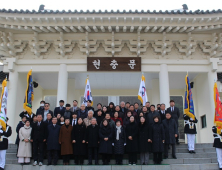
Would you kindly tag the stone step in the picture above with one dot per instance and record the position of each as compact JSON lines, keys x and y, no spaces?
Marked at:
{"x":178,"y":150}
{"x":206,"y":166}
{"x":183,"y":145}
{"x":179,"y":155}
{"x":125,"y":161}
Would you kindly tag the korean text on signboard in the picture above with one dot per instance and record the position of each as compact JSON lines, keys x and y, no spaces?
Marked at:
{"x":113,"y":64}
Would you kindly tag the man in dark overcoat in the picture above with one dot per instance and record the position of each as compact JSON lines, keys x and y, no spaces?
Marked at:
{"x":175,"y":113}
{"x":92,"y":139}
{"x":171,"y":132}
{"x":53,"y":145}
{"x":38,"y":136}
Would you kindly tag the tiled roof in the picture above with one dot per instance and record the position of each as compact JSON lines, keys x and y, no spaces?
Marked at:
{"x":111,"y":12}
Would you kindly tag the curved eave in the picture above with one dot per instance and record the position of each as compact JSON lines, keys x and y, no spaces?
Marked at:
{"x":111,"y":12}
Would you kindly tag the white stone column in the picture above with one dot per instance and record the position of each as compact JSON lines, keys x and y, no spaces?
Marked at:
{"x":62,"y":84}
{"x":12,"y":102}
{"x":114,"y":99}
{"x":164,"y":85}
{"x":155,"y":92}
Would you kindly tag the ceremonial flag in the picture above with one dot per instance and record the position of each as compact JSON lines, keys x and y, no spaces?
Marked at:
{"x":188,"y":104}
{"x":87,"y":94}
{"x":142,"y":96}
{"x":29,"y":95}
{"x":3,"y":105}
{"x":218,"y":109}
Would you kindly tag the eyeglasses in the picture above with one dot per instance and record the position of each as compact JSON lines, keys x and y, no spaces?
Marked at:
{"x":46,"y":106}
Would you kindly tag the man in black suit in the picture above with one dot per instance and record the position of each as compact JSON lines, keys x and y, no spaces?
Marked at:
{"x":148,"y":106}
{"x":38,"y":136}
{"x":99,"y":107}
{"x":75,"y":107}
{"x":152,"y":113}
{"x":122,"y":108}
{"x":40,"y":110}
{"x":162,"y":112}
{"x":136,"y":107}
{"x":73,"y":121}
{"x":158,"y":107}
{"x":175,"y":113}
{"x":60,"y":109}
{"x":89,"y":105}
{"x":48,"y":121}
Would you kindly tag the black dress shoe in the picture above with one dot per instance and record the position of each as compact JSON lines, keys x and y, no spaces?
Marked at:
{"x":49,"y":164}
{"x":143,"y":163}
{"x":174,"y":157}
{"x":90,"y":163}
{"x":193,"y":152}
{"x":190,"y":151}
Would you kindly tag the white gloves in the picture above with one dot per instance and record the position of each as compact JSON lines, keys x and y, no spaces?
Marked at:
{"x":1,"y":131}
{"x":124,"y":144}
{"x":0,"y":126}
{"x":113,"y":144}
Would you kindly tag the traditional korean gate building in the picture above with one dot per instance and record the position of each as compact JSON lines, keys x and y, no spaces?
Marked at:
{"x":56,"y":44}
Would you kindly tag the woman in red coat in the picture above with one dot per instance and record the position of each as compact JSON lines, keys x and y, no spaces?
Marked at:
{"x":116,"y":117}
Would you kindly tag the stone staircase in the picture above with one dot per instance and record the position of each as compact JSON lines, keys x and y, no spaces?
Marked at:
{"x":204,"y":159}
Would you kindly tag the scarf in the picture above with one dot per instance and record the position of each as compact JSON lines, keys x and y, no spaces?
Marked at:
{"x":118,"y":132}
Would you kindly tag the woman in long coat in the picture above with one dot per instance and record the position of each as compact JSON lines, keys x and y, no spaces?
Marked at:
{"x":132,"y":140}
{"x":19,"y":126}
{"x":157,"y":137}
{"x":144,"y":146}
{"x":78,"y":140}
{"x":119,"y":141}
{"x":106,"y":138}
{"x":66,"y":141}
{"x":25,"y":146}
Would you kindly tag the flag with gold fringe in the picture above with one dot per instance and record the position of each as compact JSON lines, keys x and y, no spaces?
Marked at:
{"x":142,"y":96}
{"x":3,"y":105}
{"x":29,"y":95}
{"x":188,"y":104}
{"x":218,"y":109}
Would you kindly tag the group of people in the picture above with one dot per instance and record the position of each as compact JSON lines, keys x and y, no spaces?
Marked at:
{"x":81,"y":132}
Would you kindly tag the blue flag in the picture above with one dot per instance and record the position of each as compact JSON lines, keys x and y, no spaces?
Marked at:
{"x":188,"y":104}
{"x":29,"y":95}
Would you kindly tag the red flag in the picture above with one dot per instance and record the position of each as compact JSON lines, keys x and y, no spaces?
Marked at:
{"x":218,"y":109}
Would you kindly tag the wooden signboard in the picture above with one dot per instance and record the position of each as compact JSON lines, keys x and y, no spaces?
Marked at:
{"x":113,"y":64}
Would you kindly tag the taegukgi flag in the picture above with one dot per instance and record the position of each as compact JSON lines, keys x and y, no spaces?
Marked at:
{"x":3,"y":105}
{"x":87,"y":94}
{"x":142,"y":95}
